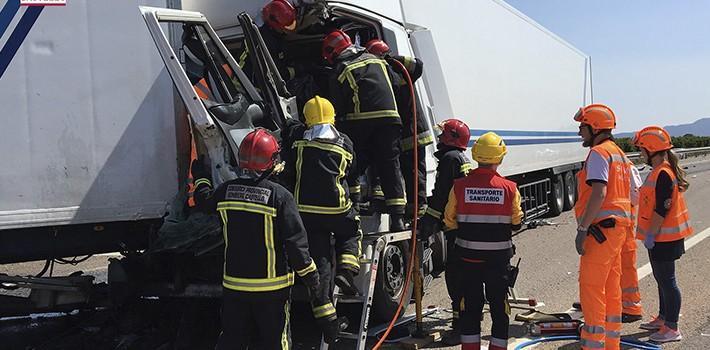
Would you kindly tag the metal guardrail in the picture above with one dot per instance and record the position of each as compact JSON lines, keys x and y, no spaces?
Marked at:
{"x":682,"y":153}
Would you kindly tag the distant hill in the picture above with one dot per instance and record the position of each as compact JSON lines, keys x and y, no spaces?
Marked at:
{"x":700,"y":127}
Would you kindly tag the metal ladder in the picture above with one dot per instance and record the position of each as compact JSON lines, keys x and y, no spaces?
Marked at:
{"x":373,"y":261}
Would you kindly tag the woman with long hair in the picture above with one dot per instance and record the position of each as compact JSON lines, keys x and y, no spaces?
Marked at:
{"x":663,"y":225}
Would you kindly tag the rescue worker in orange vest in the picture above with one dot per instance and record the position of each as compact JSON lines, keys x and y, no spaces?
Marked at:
{"x":631,"y":309}
{"x":264,"y":242}
{"x":603,"y":213}
{"x":484,"y":209}
{"x":453,"y":164}
{"x":663,"y":225}
{"x":361,"y":91}
{"x":319,"y":161}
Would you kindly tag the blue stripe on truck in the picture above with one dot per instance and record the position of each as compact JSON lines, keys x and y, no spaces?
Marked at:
{"x":525,"y":142}
{"x":479,"y":132}
{"x":18,"y":35}
{"x":7,"y":14}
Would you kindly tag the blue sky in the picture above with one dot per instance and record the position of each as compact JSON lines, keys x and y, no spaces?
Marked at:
{"x":650,"y":59}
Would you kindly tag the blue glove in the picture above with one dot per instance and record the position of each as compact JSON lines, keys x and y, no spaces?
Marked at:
{"x":649,"y":242}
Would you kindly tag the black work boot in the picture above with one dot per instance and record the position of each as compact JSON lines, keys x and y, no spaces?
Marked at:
{"x":344,"y":280}
{"x":452,"y":337}
{"x":396,"y":222}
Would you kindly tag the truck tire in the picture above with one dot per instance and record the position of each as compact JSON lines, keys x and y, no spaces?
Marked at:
{"x":391,"y":275}
{"x":570,"y":190}
{"x":556,"y":200}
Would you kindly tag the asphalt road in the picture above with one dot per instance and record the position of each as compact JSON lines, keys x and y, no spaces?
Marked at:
{"x":549,"y":274}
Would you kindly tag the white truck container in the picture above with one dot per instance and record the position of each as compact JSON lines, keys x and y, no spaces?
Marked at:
{"x":90,"y":129}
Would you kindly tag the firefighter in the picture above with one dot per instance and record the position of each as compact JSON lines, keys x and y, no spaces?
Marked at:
{"x":264,"y":239}
{"x":453,"y":164}
{"x":367,"y":111}
{"x":663,"y":225}
{"x":484,"y":208}
{"x":405,"y":101}
{"x":603,"y":213}
{"x":321,"y":158}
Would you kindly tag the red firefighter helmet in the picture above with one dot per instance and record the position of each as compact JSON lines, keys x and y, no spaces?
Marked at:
{"x":454,"y":133}
{"x":377,"y":47}
{"x":258,"y":150}
{"x":334,"y":44}
{"x":279,"y":15}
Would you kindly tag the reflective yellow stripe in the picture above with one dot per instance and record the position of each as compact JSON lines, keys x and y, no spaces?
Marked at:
{"x":299,"y":164}
{"x":341,"y":191}
{"x":223,"y":215}
{"x":269,"y":244}
{"x":245,"y":206}
{"x":326,"y":147}
{"x":396,"y":201}
{"x":356,"y":91}
{"x":243,"y":57}
{"x":385,"y":113}
{"x":423,"y":139}
{"x":258,"y":284}
{"x":360,"y":64}
{"x":465,"y":168}
{"x":323,"y":210}
{"x":383,"y":65}
{"x":203,"y":181}
{"x":433,"y":212}
{"x":354,"y":189}
{"x":349,"y":259}
{"x":306,"y":270}
{"x":284,"y":333}
{"x":408,"y":63}
{"x":323,"y":310}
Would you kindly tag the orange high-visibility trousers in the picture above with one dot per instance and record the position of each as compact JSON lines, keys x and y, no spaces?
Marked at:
{"x":630,"y":295}
{"x":600,"y":290}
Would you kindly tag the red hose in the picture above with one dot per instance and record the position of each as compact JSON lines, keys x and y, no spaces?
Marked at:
{"x":410,"y":268}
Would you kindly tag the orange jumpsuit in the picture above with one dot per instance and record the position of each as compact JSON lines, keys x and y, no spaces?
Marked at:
{"x":600,"y":266}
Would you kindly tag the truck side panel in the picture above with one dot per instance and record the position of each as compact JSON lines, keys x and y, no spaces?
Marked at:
{"x":505,"y":72}
{"x":89,"y":130}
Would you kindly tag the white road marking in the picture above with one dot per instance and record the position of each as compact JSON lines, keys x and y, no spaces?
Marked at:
{"x":643,"y":271}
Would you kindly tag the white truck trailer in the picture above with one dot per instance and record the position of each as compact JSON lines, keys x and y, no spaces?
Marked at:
{"x":98,"y":136}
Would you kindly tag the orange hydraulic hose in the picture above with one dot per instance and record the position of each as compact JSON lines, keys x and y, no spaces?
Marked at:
{"x":410,"y":268}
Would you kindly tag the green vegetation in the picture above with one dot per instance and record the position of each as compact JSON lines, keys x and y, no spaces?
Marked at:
{"x":685,"y":141}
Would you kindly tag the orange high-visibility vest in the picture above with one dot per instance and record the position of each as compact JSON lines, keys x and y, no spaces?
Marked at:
{"x":617,"y":203}
{"x":676,"y":224}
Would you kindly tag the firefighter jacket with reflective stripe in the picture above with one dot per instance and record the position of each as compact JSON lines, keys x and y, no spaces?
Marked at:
{"x":403,"y":96}
{"x":363,"y":89}
{"x":617,"y":203}
{"x":321,"y":168}
{"x":263,"y":234}
{"x":484,"y":208}
{"x":676,"y":225}
{"x":453,"y":164}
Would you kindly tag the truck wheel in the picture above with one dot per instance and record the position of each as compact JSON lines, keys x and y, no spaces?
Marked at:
{"x":570,"y":190}
{"x":556,"y":201}
{"x":391,"y":275}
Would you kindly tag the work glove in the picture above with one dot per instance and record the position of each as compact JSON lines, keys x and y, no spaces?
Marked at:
{"x":331,"y":327}
{"x":649,"y":242}
{"x":579,"y":241}
{"x":312,"y":282}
